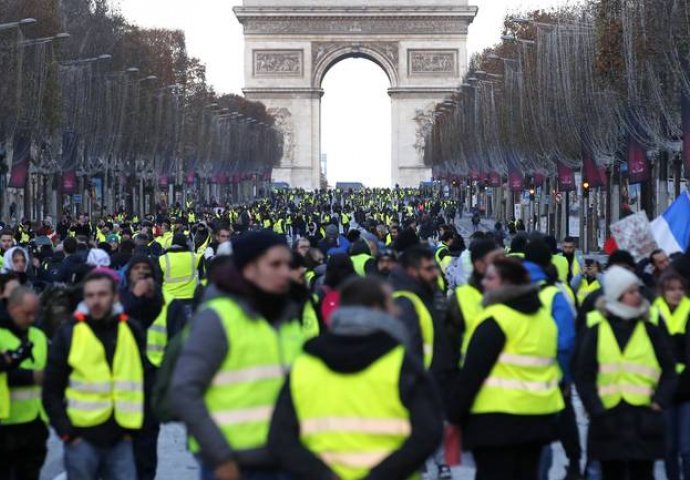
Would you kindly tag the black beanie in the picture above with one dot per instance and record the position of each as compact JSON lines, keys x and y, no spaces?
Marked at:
{"x":538,"y":252}
{"x":480,"y":248}
{"x":248,"y":247}
{"x":621,"y":257}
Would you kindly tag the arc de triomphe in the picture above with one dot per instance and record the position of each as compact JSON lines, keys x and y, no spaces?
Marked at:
{"x":291,"y":45}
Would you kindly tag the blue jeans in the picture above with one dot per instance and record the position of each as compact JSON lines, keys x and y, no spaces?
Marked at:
{"x":84,"y":461}
{"x":678,"y":441}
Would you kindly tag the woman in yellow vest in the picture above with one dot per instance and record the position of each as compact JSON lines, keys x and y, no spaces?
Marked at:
{"x":357,"y":404}
{"x":507,"y":396}
{"x":673,"y":306}
{"x":625,"y":375}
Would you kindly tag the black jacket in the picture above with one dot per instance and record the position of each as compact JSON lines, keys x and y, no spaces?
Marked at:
{"x":56,"y":379}
{"x":349,"y":355}
{"x":442,"y":366}
{"x":625,"y":432}
{"x":495,"y":429}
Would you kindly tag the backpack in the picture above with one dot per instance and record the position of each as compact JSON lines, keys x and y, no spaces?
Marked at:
{"x":329,"y":304}
{"x":161,"y":394}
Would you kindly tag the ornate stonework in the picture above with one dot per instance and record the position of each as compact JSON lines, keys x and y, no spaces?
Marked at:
{"x":285,"y":125}
{"x":345,"y":25}
{"x":424,"y":119}
{"x":389,"y":50}
{"x":433,"y":62}
{"x":278,"y":62}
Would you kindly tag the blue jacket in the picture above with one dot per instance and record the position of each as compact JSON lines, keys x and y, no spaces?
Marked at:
{"x":565,"y":322}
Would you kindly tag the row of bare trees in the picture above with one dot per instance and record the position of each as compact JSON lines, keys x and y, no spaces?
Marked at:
{"x":97,"y":112}
{"x":598,"y":90}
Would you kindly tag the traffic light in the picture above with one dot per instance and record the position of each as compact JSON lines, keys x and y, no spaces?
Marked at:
{"x":532,"y":194}
{"x":585,"y":189}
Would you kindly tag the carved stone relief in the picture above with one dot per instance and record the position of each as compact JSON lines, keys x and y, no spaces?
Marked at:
{"x":433,"y":62}
{"x":389,"y":50}
{"x":285,"y":125}
{"x":424,"y":118}
{"x":356,"y":26}
{"x":278,"y":62}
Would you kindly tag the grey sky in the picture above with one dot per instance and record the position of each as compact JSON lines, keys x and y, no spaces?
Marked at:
{"x":214,"y":35}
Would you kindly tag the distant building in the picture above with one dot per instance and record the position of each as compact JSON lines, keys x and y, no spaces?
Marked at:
{"x":324,"y":164}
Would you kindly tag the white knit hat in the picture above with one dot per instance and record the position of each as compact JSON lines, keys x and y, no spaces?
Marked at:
{"x":98,"y":258}
{"x":616,"y":281}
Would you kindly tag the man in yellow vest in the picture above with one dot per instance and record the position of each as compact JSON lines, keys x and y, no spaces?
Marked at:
{"x":230,"y":371}
{"x":23,"y":432}
{"x":465,"y":305}
{"x":180,"y":270}
{"x":360,"y":254}
{"x":93,"y":389}
{"x":570,"y":254}
{"x":357,"y":404}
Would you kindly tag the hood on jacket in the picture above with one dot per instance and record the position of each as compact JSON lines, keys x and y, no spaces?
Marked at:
{"x":8,"y":266}
{"x":360,"y":247}
{"x":361,"y":321}
{"x":536,"y":273}
{"x":523,"y":298}
{"x":133,"y":261}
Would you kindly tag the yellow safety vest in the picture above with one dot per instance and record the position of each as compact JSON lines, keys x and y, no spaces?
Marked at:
{"x":586,"y":288}
{"x":676,"y":322}
{"x":4,"y":396}
{"x":630,"y":375}
{"x":25,"y":402}
{"x":310,"y":321}
{"x":242,"y":396}
{"x":359,"y":262}
{"x":157,"y":334}
{"x":180,"y":274}
{"x":470,"y":304}
{"x":97,"y":391}
{"x":426,"y":324}
{"x":351,"y":422}
{"x":561,"y":264}
{"x":524,"y":380}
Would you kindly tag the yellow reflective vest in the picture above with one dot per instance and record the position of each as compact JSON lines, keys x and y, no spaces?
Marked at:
{"x":426,"y":324}
{"x":351,"y":422}
{"x":676,"y":321}
{"x":157,"y":334}
{"x":25,"y":402}
{"x":470,"y":305}
{"x":525,"y":378}
{"x":244,"y":391}
{"x":96,"y":390}
{"x":631,"y":375}
{"x":180,"y":274}
{"x":587,"y":287}
{"x":359,"y":262}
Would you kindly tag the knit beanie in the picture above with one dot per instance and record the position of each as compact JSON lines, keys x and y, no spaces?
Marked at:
{"x":616,"y":281}
{"x":248,"y":247}
{"x":98,"y":258}
{"x":538,"y":252}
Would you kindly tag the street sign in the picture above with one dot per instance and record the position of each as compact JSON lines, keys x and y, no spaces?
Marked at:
{"x":77,"y":198}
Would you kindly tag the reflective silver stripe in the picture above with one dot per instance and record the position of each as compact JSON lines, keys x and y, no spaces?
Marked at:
{"x":649,"y":372}
{"x":354,"y":459}
{"x":158,"y":328}
{"x":95,"y":387}
{"x":246,"y":415}
{"x":25,"y":394}
{"x":88,"y":405}
{"x":185,"y":279}
{"x":382,"y":426}
{"x":129,"y":386}
{"x":523,"y":385}
{"x":248,"y":375}
{"x":620,"y":389}
{"x":526,"y":360}
{"x":132,"y":407}
{"x":155,"y":348}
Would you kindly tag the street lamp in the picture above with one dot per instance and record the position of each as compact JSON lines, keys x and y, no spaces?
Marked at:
{"x":21,"y":23}
{"x":40,"y":41}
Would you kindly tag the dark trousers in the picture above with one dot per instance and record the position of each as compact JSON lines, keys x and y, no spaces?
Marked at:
{"x":518,"y":462}
{"x":570,"y":437}
{"x":627,"y":470}
{"x":23,"y":450}
{"x":146,"y":449}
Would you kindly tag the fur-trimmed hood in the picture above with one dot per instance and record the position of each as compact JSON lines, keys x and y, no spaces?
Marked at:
{"x":622,"y":311}
{"x":523,"y":298}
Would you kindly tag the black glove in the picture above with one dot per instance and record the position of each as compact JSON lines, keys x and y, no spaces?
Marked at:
{"x":24,"y":351}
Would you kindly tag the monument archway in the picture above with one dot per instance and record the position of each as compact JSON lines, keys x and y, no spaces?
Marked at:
{"x":291,"y":44}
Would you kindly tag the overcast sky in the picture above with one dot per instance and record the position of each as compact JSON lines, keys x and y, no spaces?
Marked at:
{"x":357,"y":144}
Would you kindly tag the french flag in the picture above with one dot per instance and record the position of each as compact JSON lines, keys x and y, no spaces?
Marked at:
{"x":672,"y":229}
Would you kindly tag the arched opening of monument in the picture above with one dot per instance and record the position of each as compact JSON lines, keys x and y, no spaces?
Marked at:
{"x":356,"y":124}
